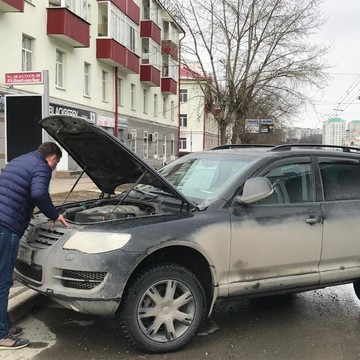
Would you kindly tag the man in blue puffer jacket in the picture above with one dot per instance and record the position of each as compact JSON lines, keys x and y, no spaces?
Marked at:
{"x":24,"y":184}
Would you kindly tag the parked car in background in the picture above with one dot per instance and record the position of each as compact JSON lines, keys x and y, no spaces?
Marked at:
{"x":232,"y":221}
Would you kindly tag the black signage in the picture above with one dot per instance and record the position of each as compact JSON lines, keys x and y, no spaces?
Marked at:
{"x":55,"y":109}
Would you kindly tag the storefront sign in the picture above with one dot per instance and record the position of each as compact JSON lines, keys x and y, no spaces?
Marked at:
{"x":55,"y":109}
{"x":25,"y":77}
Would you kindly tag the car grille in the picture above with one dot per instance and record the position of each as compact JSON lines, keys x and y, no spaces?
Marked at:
{"x":33,"y":272}
{"x":85,"y":280}
{"x":44,"y":236}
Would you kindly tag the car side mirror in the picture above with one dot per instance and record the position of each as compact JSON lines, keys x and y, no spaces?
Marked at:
{"x":255,"y":189}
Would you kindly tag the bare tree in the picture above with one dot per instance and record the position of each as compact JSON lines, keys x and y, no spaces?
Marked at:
{"x":256,"y":55}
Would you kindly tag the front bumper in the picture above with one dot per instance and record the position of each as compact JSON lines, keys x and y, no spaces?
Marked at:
{"x":87,"y":283}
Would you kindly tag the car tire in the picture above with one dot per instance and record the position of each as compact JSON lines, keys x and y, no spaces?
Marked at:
{"x":357,"y":289}
{"x":163,"y":308}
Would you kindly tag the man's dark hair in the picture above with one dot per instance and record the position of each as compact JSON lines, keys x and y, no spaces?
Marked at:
{"x":48,"y":149}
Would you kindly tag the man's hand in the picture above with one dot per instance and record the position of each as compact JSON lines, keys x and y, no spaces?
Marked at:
{"x":61,"y":219}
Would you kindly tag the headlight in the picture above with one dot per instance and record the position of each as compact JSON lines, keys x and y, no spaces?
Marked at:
{"x":95,"y":243}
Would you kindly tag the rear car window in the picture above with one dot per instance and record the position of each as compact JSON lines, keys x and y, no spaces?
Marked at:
{"x":340,"y":180}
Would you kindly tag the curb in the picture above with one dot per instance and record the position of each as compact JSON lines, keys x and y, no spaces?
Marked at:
{"x":22,"y":300}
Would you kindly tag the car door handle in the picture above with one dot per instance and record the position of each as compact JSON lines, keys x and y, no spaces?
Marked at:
{"x":313,"y":220}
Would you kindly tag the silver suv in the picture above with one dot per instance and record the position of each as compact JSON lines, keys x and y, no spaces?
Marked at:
{"x":232,"y":221}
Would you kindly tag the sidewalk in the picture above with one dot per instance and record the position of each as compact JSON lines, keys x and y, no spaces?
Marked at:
{"x":21,"y":298}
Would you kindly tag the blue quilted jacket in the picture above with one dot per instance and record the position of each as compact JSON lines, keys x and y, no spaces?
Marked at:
{"x":24,"y":184}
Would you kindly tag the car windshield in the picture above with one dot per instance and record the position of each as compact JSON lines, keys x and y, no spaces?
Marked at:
{"x":202,"y":178}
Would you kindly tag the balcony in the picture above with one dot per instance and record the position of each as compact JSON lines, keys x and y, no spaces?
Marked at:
{"x":148,"y":29}
{"x":12,"y":5}
{"x":168,"y":86}
{"x":129,"y":8}
{"x":117,"y":55}
{"x":68,"y":27}
{"x":150,"y":75}
{"x":168,"y":47}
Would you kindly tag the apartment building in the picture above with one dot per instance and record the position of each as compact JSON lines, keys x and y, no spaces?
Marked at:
{"x":334,"y":132}
{"x":354,"y":127}
{"x":114,"y":62}
{"x":198,"y":127}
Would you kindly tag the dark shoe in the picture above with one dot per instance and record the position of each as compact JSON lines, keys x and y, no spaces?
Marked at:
{"x":15,"y":331}
{"x":12,"y":343}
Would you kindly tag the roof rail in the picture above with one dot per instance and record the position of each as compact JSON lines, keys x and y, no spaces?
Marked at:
{"x":285,"y":147}
{"x":235,"y":146}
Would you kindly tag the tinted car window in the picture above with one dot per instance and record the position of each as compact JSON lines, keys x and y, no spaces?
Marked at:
{"x":292,"y":184}
{"x":340,"y":181}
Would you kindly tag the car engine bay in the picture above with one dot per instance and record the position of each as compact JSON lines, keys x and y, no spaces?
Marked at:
{"x":108,"y":209}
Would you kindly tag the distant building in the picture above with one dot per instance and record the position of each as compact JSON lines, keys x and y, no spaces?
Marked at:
{"x":198,"y":127}
{"x":334,"y":132}
{"x":353,"y":141}
{"x":354,"y":127}
{"x":296,"y":133}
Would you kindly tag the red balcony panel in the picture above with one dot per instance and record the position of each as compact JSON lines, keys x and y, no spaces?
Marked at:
{"x":115,"y":54}
{"x":133,"y":11}
{"x":148,"y":29}
{"x":12,"y":5}
{"x":121,"y":4}
{"x":169,"y":86}
{"x":132,"y":62}
{"x":150,"y":75}
{"x":70,"y":28}
{"x":111,"y":52}
{"x":170,"y":48}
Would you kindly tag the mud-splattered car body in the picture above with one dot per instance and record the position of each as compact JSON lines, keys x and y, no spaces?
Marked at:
{"x":226,"y":222}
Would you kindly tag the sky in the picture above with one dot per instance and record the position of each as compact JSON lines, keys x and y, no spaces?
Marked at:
{"x":342,"y":32}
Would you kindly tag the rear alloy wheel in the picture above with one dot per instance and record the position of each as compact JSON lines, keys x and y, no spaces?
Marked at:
{"x":164,"y":308}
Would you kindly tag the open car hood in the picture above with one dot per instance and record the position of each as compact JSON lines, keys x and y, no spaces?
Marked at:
{"x":105,"y":159}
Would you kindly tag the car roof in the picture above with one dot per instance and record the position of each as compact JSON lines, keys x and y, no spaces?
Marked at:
{"x":286,"y":149}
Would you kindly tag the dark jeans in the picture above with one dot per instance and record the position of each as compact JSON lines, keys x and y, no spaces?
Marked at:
{"x":9,"y":246}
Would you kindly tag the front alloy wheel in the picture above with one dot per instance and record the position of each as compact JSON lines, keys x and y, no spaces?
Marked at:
{"x":164,"y":308}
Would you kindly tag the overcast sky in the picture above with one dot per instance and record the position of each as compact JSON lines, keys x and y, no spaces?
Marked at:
{"x":342,"y":31}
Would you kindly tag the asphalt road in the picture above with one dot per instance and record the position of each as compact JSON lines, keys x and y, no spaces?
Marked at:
{"x":322,"y":324}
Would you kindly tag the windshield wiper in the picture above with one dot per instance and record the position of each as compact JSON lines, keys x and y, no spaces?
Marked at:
{"x":154,"y":196}
{"x":162,"y":192}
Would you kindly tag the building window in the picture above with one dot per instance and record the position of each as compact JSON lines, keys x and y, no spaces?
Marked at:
{"x":86,"y":79}
{"x":183,"y":95}
{"x":133,"y":90}
{"x":79,"y":8}
{"x":155,"y":105}
{"x":164,"y":107}
{"x":131,"y":38}
{"x":104,"y":80}
{"x":156,"y":140}
{"x":182,"y":144}
{"x":172,"y":145}
{"x":146,"y":145}
{"x":183,"y":120}
{"x":132,"y":139}
{"x":27,"y":53}
{"x":145,"y":99}
{"x":59,"y":77}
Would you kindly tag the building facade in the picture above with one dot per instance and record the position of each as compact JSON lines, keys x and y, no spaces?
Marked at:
{"x":113,"y":62}
{"x":334,"y":132}
{"x":198,"y":127}
{"x":354,"y":127}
